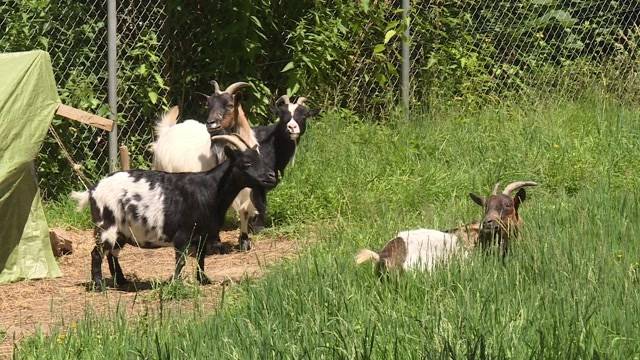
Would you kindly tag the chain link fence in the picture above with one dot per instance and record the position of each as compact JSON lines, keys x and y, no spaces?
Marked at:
{"x":488,"y":51}
{"x":75,"y":35}
{"x":345,"y":54}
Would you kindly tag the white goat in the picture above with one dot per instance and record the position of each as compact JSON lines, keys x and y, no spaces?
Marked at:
{"x":420,"y":249}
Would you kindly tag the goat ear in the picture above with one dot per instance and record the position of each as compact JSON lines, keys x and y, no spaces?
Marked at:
{"x":274,"y":109}
{"x":480,"y":200}
{"x":520,"y":197}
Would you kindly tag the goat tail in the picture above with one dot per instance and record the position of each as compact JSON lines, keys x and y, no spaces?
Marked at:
{"x":365,"y":255}
{"x":82,"y":198}
{"x":167,"y":120}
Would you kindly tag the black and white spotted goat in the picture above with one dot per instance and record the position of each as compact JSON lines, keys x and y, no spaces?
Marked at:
{"x":152,"y":209}
{"x":278,"y":144}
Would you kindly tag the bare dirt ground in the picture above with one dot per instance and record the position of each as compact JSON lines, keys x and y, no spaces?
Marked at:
{"x":45,"y":304}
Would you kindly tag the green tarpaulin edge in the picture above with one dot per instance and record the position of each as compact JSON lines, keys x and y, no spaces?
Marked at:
{"x":28,"y":101}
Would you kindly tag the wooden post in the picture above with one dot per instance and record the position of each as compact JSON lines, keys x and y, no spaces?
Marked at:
{"x":124,"y":157}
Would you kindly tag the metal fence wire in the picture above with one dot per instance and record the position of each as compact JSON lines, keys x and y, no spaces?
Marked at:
{"x":75,"y":35}
{"x":491,"y":50}
{"x":470,"y":52}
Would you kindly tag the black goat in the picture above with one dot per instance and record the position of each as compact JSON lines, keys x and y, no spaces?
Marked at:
{"x":278,"y":143}
{"x":153,"y":209}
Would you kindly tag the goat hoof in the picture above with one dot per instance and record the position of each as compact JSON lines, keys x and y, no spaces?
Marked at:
{"x":245,"y":245}
{"x":204,"y":280}
{"x":217,"y":248}
{"x":256,"y":225}
{"x":96,"y":286}
{"x":120,"y":282}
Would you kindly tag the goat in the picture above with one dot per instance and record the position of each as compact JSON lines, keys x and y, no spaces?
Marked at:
{"x":501,"y":221}
{"x":187,"y":147}
{"x":278,"y":144}
{"x":153,"y":209}
{"x":422,"y":249}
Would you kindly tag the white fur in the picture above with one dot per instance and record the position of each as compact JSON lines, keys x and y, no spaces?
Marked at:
{"x":427,"y":247}
{"x":184,"y":147}
{"x":292,"y":125}
{"x":82,"y":198}
{"x":119,"y":189}
{"x":365,"y":255}
{"x":245,"y":209}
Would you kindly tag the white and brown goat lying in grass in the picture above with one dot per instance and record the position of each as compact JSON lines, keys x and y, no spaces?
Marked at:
{"x":422,"y":249}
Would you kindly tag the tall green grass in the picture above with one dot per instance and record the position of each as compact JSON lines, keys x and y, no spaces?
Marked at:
{"x":570,"y":288}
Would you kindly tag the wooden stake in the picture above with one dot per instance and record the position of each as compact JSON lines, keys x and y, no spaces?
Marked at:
{"x":84,"y":117}
{"x":124,"y":157}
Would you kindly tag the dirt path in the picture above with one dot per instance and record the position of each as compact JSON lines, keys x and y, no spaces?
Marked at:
{"x":28,"y":305}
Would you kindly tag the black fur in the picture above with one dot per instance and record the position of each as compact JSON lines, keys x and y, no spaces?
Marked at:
{"x":277,"y":148}
{"x":194,"y":206}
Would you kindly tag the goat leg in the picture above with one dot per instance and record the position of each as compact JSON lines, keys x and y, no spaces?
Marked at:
{"x":259,"y":199}
{"x":181,"y":259}
{"x":200,"y":274}
{"x":244,"y":241}
{"x":97,"y":284}
{"x":116,"y":270}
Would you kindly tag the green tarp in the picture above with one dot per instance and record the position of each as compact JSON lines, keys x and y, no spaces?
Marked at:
{"x":28,"y":101}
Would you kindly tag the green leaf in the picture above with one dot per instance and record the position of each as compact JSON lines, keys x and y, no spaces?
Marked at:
{"x":563,"y":17}
{"x":287,"y":67}
{"x":392,"y":25}
{"x":432,"y":61}
{"x":153,"y":96}
{"x":256,"y":21}
{"x":294,"y":90}
{"x":389,"y":35}
{"x":378,"y":49}
{"x":365,"y":5}
{"x":159,"y":80}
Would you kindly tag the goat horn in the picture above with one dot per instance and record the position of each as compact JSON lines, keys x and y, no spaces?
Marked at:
{"x":241,"y":139}
{"x":517,"y":185}
{"x":301,"y":100}
{"x":284,"y":99}
{"x":235,"y":87}
{"x":216,"y":87}
{"x":495,"y":188}
{"x":233,"y":140}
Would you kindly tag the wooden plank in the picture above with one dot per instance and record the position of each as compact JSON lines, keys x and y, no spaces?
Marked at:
{"x":124,"y":157}
{"x":84,"y":117}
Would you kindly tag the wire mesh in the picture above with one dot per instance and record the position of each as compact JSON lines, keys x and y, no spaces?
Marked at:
{"x":78,"y":55}
{"x":142,"y":70}
{"x":487,"y":51}
{"x":75,"y":35}
{"x":462,"y":51}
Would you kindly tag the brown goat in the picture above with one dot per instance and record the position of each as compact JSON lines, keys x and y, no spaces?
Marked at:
{"x":501,"y":221}
{"x":226,"y":113}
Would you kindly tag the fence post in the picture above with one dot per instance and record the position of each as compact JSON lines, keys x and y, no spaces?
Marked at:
{"x":112,"y":85}
{"x":406,"y":58}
